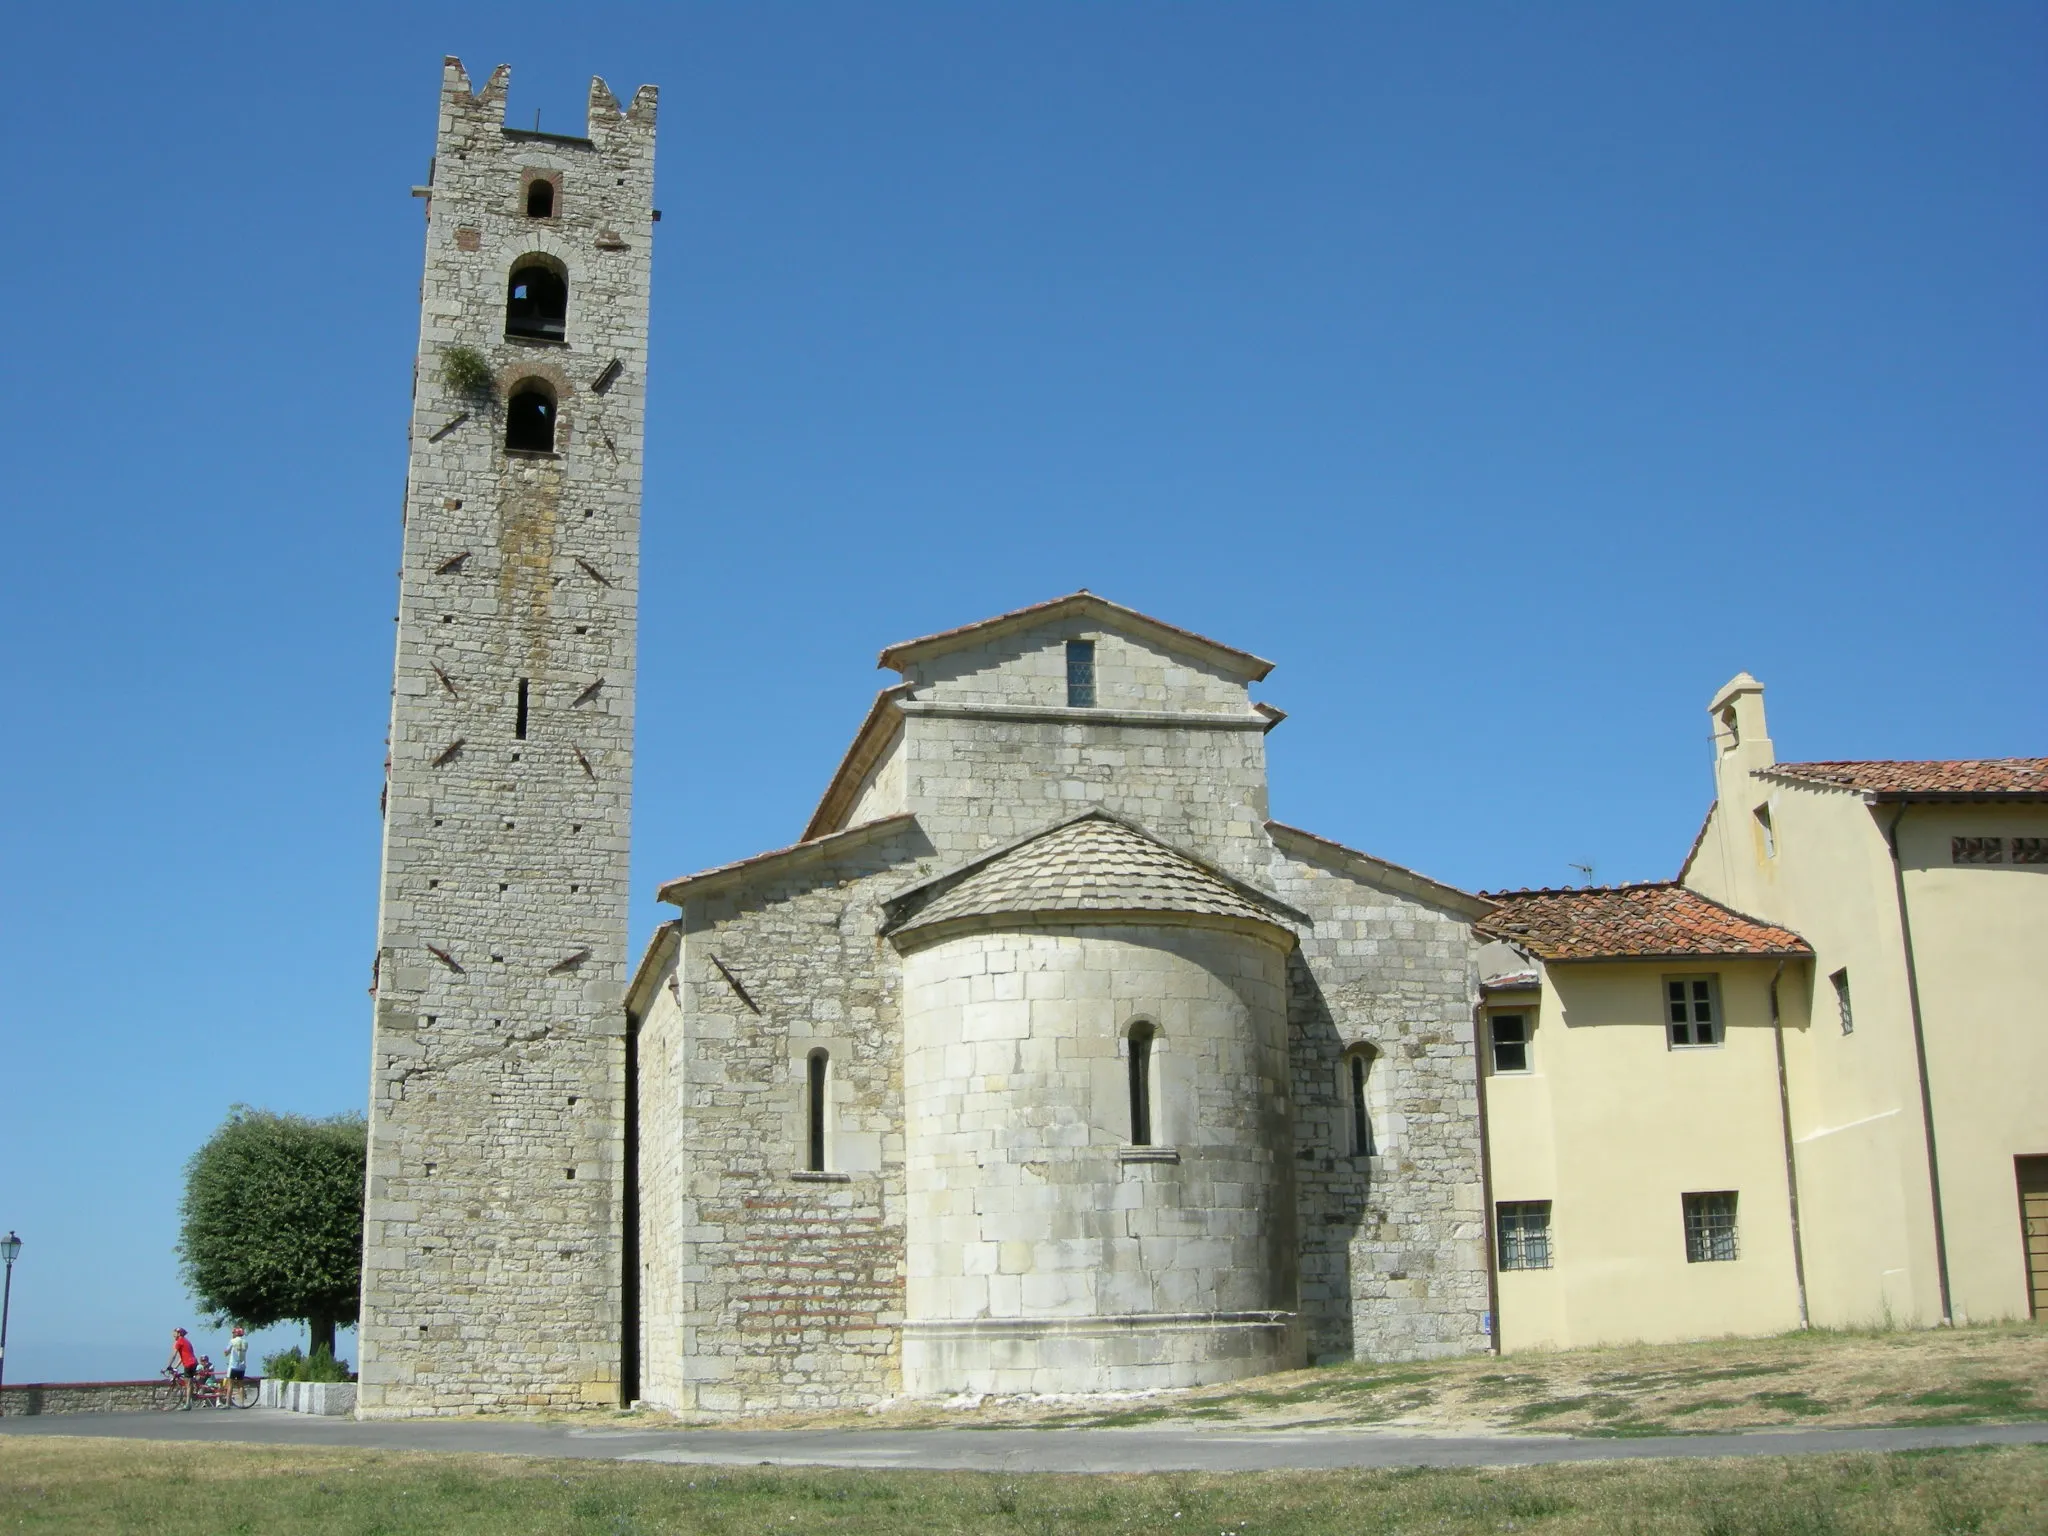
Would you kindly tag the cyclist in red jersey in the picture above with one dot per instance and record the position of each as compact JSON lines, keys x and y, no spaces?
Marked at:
{"x":184,"y":1359}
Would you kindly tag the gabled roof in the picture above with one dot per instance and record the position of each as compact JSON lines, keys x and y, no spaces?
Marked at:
{"x":1631,"y":922}
{"x":1699,"y":841}
{"x":876,"y":732}
{"x":777,"y":860}
{"x":1094,"y":863}
{"x":1376,"y":871}
{"x":1941,"y":778}
{"x":1228,"y":658}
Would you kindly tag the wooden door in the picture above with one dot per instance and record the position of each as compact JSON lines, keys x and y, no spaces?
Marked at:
{"x":2033,"y":1172}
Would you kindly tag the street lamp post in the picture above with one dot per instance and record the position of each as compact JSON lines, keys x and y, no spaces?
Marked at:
{"x":10,"y":1250}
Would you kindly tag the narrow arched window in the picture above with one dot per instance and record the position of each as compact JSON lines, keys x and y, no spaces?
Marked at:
{"x":1141,"y":1039}
{"x":540,"y":198}
{"x":537,"y":302}
{"x":1357,"y":1075}
{"x":530,"y":417}
{"x":814,"y":1105}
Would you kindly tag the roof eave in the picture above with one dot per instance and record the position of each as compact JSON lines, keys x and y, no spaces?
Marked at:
{"x":869,"y":742}
{"x":725,"y":876}
{"x":1381,"y":872}
{"x":908,"y":652}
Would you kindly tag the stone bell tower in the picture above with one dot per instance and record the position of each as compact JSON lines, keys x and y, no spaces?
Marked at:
{"x":493,"y":1241}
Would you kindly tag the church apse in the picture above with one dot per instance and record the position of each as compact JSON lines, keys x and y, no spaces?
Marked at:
{"x":1025,"y":1069}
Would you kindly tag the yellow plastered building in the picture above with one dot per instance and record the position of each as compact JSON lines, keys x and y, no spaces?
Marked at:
{"x":1805,"y":1083}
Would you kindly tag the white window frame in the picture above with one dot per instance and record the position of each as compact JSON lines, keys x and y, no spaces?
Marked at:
{"x":1525,"y":1019}
{"x":1715,"y":1021}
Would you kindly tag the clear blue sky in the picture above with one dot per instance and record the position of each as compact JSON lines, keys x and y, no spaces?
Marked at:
{"x":1512,"y":375}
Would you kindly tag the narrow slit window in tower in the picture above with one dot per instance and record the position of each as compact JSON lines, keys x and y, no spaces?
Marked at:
{"x":537,"y":303}
{"x":519,"y":720}
{"x":814,"y":1152}
{"x":1081,"y":675}
{"x":1141,"y":1084}
{"x":530,"y":418}
{"x":540,"y":198}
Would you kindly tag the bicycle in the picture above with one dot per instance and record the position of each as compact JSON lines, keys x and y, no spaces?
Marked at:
{"x":173,"y":1392}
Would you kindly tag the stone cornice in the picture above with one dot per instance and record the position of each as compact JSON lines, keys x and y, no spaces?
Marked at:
{"x":1159,"y":719}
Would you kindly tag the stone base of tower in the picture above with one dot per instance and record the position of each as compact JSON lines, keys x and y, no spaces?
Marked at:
{"x":1142,"y":1353}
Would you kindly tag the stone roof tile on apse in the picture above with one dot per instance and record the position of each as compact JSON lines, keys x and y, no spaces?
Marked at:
{"x":1093,"y":865}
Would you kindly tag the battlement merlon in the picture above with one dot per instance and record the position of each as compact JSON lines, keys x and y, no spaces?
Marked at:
{"x":466,"y":113}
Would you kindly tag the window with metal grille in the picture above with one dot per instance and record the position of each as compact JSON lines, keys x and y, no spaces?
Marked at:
{"x":1510,"y":1042}
{"x":1524,"y":1229}
{"x":1977,"y":850}
{"x":2030,"y":850}
{"x":1840,"y":981}
{"x":1080,"y":674}
{"x":1710,"y":1227}
{"x":1692,"y":1010}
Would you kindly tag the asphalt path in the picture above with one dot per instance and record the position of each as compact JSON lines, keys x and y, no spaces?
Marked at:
{"x":994,"y":1450}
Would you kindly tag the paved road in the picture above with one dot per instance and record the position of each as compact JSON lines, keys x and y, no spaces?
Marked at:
{"x":996,"y":1450}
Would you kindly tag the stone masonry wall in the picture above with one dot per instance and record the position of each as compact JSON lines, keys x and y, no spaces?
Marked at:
{"x":1394,"y":1260}
{"x":976,"y":782}
{"x":1029,"y":667}
{"x":493,"y":1209}
{"x":765,"y":1286}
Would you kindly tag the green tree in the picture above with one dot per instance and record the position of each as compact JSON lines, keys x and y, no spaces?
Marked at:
{"x":273,"y":1221}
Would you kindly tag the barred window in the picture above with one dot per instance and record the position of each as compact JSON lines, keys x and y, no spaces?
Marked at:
{"x":1524,"y":1227}
{"x":2030,"y":850}
{"x":1692,"y":1010}
{"x":1840,"y":981}
{"x":1080,"y":674}
{"x":1710,"y":1227}
{"x":1979,"y":850}
{"x":1510,"y":1042}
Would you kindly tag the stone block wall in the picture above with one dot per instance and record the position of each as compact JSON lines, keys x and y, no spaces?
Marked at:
{"x":492,"y":1233}
{"x":1028,"y":667}
{"x":766,"y":1286}
{"x":1168,"y":1264}
{"x":1394,"y":1253}
{"x":23,"y":1399}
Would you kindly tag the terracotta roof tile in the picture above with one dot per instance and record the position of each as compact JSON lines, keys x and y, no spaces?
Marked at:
{"x":1948,"y":776}
{"x":1618,"y":922}
{"x":1090,"y":865}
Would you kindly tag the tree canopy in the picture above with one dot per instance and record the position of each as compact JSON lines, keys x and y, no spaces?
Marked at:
{"x":272,"y":1221}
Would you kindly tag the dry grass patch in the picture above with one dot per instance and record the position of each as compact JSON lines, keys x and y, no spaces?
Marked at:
{"x":1812,"y":1379}
{"x":62,"y":1485}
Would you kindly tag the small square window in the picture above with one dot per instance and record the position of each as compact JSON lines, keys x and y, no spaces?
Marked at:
{"x":1524,"y":1229}
{"x":1510,"y":1038}
{"x":1710,"y":1227}
{"x":1692,"y":1010}
{"x":1080,"y":674}
{"x":1977,"y":850}
{"x":1840,"y":981}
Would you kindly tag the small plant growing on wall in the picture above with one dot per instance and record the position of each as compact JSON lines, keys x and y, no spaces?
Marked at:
{"x":466,"y":371}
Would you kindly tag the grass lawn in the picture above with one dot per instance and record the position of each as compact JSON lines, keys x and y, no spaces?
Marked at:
{"x":1813,"y":1379}
{"x":66,"y":1485}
